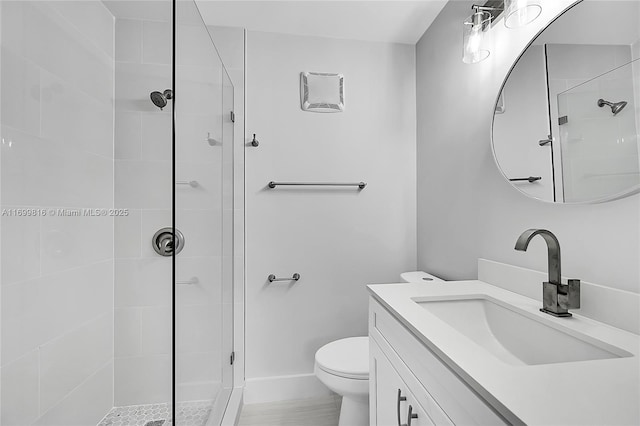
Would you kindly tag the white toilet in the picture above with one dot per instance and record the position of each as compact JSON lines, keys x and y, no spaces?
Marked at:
{"x":343,"y":367}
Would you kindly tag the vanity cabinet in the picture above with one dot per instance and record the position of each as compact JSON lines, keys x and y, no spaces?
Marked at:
{"x":394,"y":404}
{"x":405,"y":374}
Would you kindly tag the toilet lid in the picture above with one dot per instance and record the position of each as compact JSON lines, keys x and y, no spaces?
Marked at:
{"x":345,"y":357}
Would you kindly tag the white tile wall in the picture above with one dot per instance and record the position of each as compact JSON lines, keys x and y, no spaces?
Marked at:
{"x":68,"y":361}
{"x":20,"y":248}
{"x":198,"y":374}
{"x":69,"y":242}
{"x":143,"y":282}
{"x":53,"y":42}
{"x":208,"y":270}
{"x":142,"y":380}
{"x":63,"y":177}
{"x":128,"y":40}
{"x":155,"y":142}
{"x":128,"y":128}
{"x":39,"y":310}
{"x":91,"y":19}
{"x":127,"y":332}
{"x":20,"y":390}
{"x":156,"y":42}
{"x":127,"y":235}
{"x":20,"y":93}
{"x":143,"y":184}
{"x":57,"y":272}
{"x":154,"y":323}
{"x":80,"y":405}
{"x":134,"y":83}
{"x":199,"y":128}
{"x":75,"y":119}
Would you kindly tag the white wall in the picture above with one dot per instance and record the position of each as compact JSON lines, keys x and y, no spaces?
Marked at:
{"x":57,"y":271}
{"x":465,"y":208}
{"x":338,"y":239}
{"x":143,"y":186}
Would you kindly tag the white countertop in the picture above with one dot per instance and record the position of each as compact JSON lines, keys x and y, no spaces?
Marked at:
{"x":597,"y":392}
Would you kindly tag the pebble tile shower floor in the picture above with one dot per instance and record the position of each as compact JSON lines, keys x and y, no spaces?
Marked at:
{"x":192,"y":413}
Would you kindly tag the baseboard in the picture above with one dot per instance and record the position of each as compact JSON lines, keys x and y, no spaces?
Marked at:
{"x":283,"y":388}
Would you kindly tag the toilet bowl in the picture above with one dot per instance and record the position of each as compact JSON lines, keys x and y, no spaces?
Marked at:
{"x":343,"y":366}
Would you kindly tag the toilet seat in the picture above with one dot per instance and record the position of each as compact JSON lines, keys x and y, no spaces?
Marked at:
{"x":348,"y":358}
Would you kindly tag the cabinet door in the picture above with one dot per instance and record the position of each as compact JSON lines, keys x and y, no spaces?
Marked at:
{"x":388,"y":391}
{"x":390,"y":397}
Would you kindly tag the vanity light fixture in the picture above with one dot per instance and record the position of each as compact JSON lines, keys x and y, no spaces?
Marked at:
{"x":518,"y":13}
{"x":474,"y":29}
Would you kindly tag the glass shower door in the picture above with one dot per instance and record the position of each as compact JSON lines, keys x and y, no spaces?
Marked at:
{"x":599,"y":143}
{"x":203,"y":214}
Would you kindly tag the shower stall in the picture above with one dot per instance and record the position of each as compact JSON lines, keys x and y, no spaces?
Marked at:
{"x":121,"y":229}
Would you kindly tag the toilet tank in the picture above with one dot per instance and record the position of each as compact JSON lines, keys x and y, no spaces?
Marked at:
{"x":419,"y":277}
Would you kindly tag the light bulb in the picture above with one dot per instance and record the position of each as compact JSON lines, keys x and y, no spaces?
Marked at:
{"x":518,"y":13}
{"x":473,"y":37}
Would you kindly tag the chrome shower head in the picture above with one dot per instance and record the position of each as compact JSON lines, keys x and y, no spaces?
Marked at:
{"x":160,"y":99}
{"x":615,"y":107}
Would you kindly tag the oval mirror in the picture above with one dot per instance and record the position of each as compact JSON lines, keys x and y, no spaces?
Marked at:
{"x":566,"y":123}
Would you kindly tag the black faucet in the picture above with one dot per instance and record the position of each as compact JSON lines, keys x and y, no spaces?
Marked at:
{"x":557,"y":298}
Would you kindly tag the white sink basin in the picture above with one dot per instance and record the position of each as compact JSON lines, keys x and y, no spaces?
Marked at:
{"x":514,"y":335}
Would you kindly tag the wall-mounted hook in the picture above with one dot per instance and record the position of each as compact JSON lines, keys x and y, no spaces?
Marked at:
{"x":546,"y":141}
{"x":255,"y":142}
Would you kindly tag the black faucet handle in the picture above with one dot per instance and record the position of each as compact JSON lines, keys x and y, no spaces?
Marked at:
{"x":574,"y":293}
{"x":569,"y":295}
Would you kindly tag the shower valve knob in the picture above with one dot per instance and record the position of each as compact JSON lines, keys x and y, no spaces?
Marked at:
{"x":168,"y":241}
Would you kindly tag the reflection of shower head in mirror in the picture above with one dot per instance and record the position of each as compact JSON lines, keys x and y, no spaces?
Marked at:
{"x":615,"y":107}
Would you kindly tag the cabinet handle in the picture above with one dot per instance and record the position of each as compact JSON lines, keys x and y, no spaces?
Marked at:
{"x":400,"y":399}
{"x":411,"y":416}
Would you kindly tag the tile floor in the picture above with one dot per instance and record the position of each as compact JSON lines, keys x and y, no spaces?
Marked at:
{"x":303,"y":412}
{"x":192,"y":413}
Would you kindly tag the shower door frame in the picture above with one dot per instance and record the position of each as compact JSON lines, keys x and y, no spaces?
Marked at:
{"x":224,"y":408}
